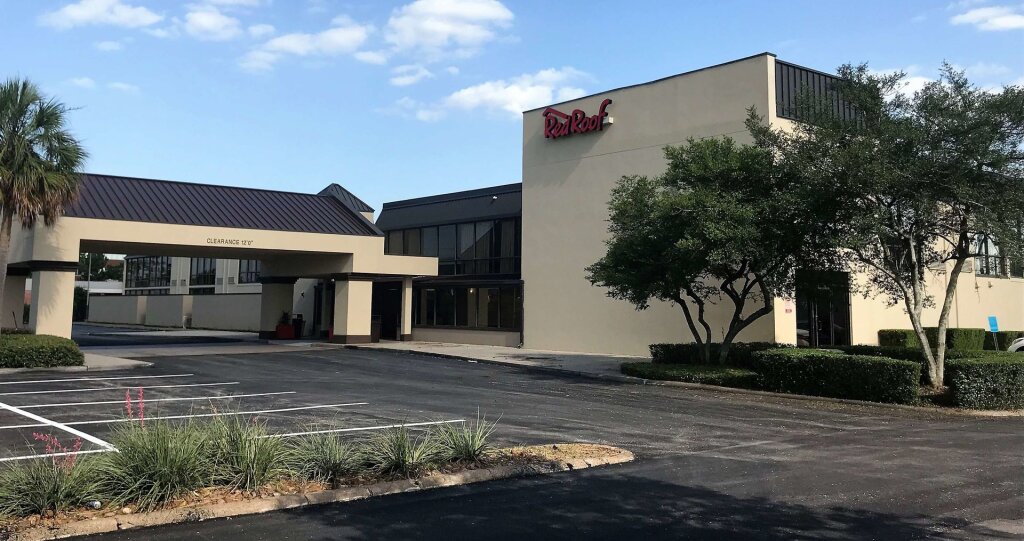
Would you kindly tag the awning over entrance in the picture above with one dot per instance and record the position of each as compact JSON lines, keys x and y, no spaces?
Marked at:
{"x":294,"y":235}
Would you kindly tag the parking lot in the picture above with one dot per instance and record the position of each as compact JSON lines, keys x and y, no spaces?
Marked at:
{"x":85,"y":409}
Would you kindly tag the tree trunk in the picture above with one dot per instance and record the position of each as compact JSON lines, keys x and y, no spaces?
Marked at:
{"x":5,"y":247}
{"x":939,"y":370}
{"x":703,"y":341}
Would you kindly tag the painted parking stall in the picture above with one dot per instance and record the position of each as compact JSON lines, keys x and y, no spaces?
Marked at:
{"x":44,"y":417}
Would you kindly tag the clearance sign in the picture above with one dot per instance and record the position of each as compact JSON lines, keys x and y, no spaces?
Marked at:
{"x":558,"y":124}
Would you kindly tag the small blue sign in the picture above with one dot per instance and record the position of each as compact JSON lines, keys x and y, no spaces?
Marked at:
{"x":993,"y":324}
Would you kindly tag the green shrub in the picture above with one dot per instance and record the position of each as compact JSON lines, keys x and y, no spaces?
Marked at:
{"x":42,"y":484}
{"x":465,"y":442}
{"x":740,"y":353}
{"x":958,"y":339}
{"x":156,"y":463}
{"x":1005,"y":339}
{"x":394,"y":451}
{"x":898,"y":338}
{"x":38,"y":351}
{"x":324,"y":458}
{"x":243,"y":456}
{"x":724,"y":376}
{"x":838,"y":375}
{"x":989,"y":382}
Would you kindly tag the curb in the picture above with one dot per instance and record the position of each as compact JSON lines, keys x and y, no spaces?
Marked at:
{"x":59,"y":369}
{"x":200,"y":513}
{"x":704,"y":387}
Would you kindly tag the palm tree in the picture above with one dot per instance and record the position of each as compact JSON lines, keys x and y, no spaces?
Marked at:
{"x":39,"y":160}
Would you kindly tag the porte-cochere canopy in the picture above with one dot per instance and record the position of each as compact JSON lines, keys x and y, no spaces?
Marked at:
{"x":327,"y":235}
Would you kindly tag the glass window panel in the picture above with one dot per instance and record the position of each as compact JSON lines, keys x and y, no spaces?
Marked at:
{"x":472,"y":311}
{"x":493,"y":308}
{"x":429,"y":241}
{"x":508,"y":308}
{"x":412,"y":242}
{"x":445,"y":306}
{"x":467,"y":238}
{"x":461,"y":305}
{"x":430,"y":307}
{"x":484,"y":238}
{"x":395,"y":245}
{"x":446,"y":242}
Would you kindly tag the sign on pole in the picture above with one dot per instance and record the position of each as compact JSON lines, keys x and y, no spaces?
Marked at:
{"x":993,"y":324}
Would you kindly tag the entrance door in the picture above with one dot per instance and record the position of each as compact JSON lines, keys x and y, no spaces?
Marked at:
{"x":822,"y":308}
{"x":387,"y":305}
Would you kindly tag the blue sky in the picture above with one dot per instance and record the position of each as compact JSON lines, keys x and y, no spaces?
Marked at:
{"x":398,"y":99}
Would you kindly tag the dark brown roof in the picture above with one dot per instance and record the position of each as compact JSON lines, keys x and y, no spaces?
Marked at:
{"x":348,"y":198}
{"x":109,"y":197}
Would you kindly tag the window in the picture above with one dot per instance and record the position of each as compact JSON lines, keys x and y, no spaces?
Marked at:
{"x":989,"y":261}
{"x":446,"y":249}
{"x":485,"y":247}
{"x":495,"y":308}
{"x":394,"y":241}
{"x":248,"y":271}
{"x":203,"y":272}
{"x":429,"y":241}
{"x":147,"y":271}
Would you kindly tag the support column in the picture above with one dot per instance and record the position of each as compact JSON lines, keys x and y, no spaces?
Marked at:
{"x":53,"y":298}
{"x":275,"y":300}
{"x":13,"y":309}
{"x":406,"y":331}
{"x":353,"y":299}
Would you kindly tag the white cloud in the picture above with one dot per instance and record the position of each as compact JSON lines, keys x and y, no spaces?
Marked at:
{"x":433,"y":29}
{"x":409,"y":74}
{"x":84,"y":82}
{"x":123,"y":87}
{"x":372,"y":57}
{"x":992,"y":18}
{"x":108,"y":45}
{"x":507,"y":97}
{"x":233,"y":3}
{"x":344,"y":38}
{"x":520,"y":93}
{"x":452,"y":70}
{"x":261,"y":30}
{"x":984,"y":70}
{"x":209,"y":24}
{"x":110,"y":12}
{"x":162,"y":32}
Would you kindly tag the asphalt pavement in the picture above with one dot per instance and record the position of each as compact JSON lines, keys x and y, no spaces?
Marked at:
{"x":710,"y":465}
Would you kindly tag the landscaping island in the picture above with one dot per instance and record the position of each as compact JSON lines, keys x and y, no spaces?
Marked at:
{"x":975,"y":377}
{"x":164,"y":473}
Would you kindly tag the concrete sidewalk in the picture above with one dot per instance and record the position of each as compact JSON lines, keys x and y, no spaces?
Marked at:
{"x":191,"y":350}
{"x":604,"y":366}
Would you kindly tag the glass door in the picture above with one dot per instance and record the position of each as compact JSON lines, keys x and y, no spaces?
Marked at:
{"x":822,"y":309}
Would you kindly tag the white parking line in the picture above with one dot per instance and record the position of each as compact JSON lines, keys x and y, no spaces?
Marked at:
{"x":363,"y":428}
{"x":227,"y":413}
{"x":21,"y":393}
{"x":55,"y":424}
{"x":48,"y":455}
{"x":148,"y":400}
{"x":92,"y":379}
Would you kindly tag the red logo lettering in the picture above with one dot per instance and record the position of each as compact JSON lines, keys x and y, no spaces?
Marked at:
{"x":558,"y":124}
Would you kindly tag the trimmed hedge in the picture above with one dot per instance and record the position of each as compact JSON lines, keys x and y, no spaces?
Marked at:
{"x":916,"y":355}
{"x":990,"y":382}
{"x":1005,"y":339}
{"x":956,"y":338}
{"x":724,"y":376}
{"x":838,"y":375}
{"x":38,"y":351}
{"x":740,"y":353}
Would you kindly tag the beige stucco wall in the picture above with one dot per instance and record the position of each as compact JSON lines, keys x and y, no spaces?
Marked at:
{"x":121,"y":309}
{"x":234,"y":312}
{"x":566,"y":186}
{"x":976,"y":298}
{"x":462,"y":336}
{"x":168,"y":310}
